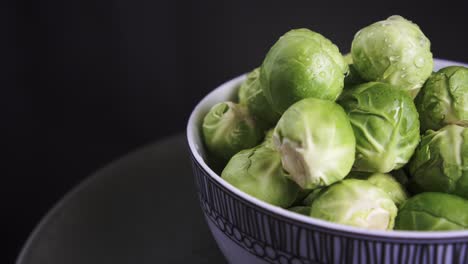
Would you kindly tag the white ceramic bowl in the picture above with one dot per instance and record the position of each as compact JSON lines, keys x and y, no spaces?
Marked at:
{"x":248,"y":230}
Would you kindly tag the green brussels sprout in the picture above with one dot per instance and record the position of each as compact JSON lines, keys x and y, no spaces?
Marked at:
{"x":386,"y":182}
{"x":443,"y":99}
{"x":303,"y":210}
{"x":433,"y":211}
{"x":385,"y":123}
{"x":251,"y":95}
{"x":316,"y":142}
{"x":356,"y":203}
{"x":302,"y":64}
{"x":440,"y":162}
{"x":258,"y":172}
{"x":393,"y":51}
{"x":228,"y":129}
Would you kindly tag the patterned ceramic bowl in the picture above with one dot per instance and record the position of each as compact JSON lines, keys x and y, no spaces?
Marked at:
{"x":248,"y":230}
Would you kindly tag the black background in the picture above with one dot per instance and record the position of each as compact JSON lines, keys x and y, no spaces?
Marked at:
{"x":84,"y":82}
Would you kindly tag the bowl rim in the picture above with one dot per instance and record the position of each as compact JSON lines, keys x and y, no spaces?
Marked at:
{"x":301,"y":219}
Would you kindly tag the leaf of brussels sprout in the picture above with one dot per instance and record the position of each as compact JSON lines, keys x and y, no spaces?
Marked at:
{"x":433,"y":212}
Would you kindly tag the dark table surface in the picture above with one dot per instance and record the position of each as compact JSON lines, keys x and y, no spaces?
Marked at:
{"x":141,"y":208}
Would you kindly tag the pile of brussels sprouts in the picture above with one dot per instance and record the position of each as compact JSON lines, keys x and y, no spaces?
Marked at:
{"x":373,"y":139}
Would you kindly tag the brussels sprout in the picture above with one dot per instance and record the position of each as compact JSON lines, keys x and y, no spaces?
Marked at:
{"x":356,"y":203}
{"x":433,"y":212}
{"x":258,"y":172}
{"x":385,"y":123}
{"x":386,"y":182}
{"x":302,"y":64}
{"x":303,"y":210}
{"x":393,"y":51}
{"x":444,"y":99}
{"x":228,"y":129}
{"x":316,"y":142}
{"x":251,"y":95}
{"x":440,"y":162}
